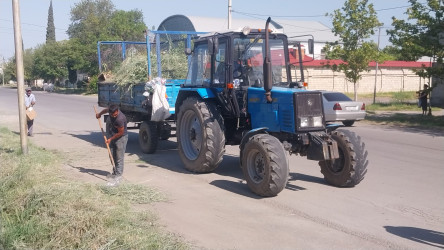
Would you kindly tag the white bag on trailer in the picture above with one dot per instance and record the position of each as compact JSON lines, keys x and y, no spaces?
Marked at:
{"x":161,"y":108}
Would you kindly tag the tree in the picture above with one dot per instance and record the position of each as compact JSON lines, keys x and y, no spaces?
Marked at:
{"x":354,"y":23}
{"x":97,"y":20}
{"x":28,"y":64}
{"x":126,"y":26}
{"x":49,"y":62}
{"x":50,"y":28}
{"x":393,"y":53}
{"x":421,"y":35}
{"x":88,"y":25}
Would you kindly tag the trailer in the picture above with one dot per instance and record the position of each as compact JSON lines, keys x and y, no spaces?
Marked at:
{"x":133,"y":100}
{"x":137,"y":108}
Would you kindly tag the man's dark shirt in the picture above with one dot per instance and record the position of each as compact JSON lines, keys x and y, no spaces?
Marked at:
{"x":119,"y":121}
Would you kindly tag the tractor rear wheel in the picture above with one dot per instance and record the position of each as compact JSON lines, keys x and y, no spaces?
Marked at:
{"x":200,"y":135}
{"x":148,"y":137}
{"x":265,"y":165}
{"x":351,"y":166}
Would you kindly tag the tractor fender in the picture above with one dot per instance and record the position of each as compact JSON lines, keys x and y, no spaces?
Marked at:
{"x":333,"y":127}
{"x":247,"y":136}
{"x":184,"y":93}
{"x":250,"y":133}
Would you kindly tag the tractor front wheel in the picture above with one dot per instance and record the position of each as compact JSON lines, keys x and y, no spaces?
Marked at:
{"x":351,"y":166}
{"x":265,"y":165}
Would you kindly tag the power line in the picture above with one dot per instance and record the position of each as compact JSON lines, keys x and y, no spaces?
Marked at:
{"x":30,"y":24}
{"x":247,"y":14}
{"x":265,"y":15}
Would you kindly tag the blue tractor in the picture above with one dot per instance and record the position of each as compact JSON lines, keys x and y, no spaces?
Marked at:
{"x":239,"y":91}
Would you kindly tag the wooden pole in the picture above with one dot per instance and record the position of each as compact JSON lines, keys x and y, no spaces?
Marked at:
{"x":20,"y":76}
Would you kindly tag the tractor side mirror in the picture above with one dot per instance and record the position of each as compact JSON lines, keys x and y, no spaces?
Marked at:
{"x":310,"y":46}
{"x":213,"y":45}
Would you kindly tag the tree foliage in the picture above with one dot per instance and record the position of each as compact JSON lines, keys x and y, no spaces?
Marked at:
{"x":10,"y":67}
{"x":97,"y":20}
{"x":420,"y":35}
{"x":88,"y":20}
{"x":50,"y":28}
{"x":126,"y":26}
{"x":49,"y":62}
{"x":91,"y":21}
{"x":354,"y":23}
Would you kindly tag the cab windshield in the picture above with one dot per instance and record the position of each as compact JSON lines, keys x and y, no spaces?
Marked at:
{"x":249,"y":54}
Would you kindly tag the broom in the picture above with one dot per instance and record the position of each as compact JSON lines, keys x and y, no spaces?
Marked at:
{"x":104,"y":137}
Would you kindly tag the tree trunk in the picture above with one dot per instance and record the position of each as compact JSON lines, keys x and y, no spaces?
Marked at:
{"x":355,"y":92}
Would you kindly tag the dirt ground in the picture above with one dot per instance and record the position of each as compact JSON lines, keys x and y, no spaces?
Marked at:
{"x":218,"y":211}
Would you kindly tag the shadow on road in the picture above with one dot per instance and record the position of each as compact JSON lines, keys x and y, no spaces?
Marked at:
{"x":424,"y":236}
{"x":167,"y":157}
{"x":237,"y":187}
{"x":94,"y":172}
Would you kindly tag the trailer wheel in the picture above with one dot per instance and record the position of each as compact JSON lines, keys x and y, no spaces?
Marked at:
{"x":148,"y":137}
{"x":200,"y":135}
{"x":351,"y":166}
{"x":265,"y":165}
{"x":164,"y":130}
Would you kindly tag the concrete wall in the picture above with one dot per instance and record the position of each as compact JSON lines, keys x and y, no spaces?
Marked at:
{"x":387,"y":80}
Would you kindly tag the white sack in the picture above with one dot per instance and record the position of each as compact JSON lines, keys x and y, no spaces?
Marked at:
{"x":161,"y":108}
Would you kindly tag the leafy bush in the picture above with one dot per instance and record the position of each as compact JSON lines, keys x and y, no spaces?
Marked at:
{"x":92,"y":85}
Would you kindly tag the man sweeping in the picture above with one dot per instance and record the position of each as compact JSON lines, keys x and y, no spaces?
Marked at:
{"x":117,"y":139}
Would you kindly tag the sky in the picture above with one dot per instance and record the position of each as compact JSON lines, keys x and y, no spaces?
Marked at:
{"x":34,"y":14}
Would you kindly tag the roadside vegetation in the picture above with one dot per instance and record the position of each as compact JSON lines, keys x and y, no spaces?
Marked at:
{"x":399,"y":108}
{"x":42,"y":209}
{"x":409,"y":120}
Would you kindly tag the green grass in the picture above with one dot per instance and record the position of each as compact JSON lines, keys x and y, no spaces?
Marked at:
{"x":412,"y":120}
{"x":400,"y":96}
{"x":394,"y":106}
{"x":42,"y":209}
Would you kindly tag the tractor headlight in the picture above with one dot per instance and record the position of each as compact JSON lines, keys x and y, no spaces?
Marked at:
{"x":312,"y":121}
{"x":304,"y":122}
{"x":317,"y":121}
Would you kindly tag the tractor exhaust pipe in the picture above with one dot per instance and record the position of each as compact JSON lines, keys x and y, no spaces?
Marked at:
{"x":268,"y":84}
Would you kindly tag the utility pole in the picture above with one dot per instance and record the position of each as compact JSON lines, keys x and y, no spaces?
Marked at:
{"x":229,"y":14}
{"x":3,"y":70}
{"x":376,"y":69}
{"x":20,"y":75}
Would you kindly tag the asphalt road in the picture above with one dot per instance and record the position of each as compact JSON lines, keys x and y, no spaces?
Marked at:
{"x":399,"y":205}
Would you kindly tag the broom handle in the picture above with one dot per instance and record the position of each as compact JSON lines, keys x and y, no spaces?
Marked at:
{"x":104,"y":137}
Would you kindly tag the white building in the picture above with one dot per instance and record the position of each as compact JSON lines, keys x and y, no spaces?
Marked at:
{"x":295,"y":30}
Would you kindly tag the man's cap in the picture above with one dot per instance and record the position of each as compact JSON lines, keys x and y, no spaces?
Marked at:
{"x":28,"y":89}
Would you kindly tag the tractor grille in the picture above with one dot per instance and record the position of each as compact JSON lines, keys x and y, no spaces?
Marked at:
{"x":308,"y":106}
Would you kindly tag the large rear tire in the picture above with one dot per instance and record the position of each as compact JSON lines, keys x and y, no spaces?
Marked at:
{"x":265,"y":165}
{"x":351,"y":166}
{"x":148,"y":137}
{"x":200,"y":135}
